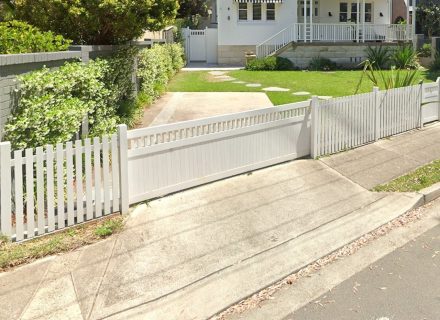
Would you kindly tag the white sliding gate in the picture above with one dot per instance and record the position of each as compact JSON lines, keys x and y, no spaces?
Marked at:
{"x":169,"y":158}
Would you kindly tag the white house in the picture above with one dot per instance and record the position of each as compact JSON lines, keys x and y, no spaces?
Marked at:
{"x":296,"y":29}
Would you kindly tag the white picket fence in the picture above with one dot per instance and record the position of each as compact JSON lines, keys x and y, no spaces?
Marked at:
{"x":344,"y":123}
{"x":50,"y":188}
{"x":53,"y":187}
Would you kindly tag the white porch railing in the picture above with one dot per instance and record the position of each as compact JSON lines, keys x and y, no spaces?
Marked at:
{"x":320,"y":32}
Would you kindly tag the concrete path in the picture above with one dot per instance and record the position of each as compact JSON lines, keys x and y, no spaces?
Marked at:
{"x":192,"y":254}
{"x":388,"y":159}
{"x":182,"y":106}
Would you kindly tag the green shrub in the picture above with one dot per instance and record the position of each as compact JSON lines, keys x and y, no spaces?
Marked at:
{"x":405,"y":57}
{"x":425,"y":50}
{"x":322,"y":64}
{"x":435,"y":66}
{"x":53,"y":103}
{"x":379,"y":56}
{"x":270,"y":64}
{"x":156,"y":67}
{"x":20,"y":37}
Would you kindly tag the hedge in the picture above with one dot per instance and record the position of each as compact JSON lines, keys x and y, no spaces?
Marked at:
{"x":53,"y":103}
{"x":20,"y":37}
{"x":270,"y":64}
{"x":156,"y":67}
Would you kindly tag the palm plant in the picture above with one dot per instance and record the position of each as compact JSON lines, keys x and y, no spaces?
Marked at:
{"x":396,"y":78}
{"x":379,"y":56}
{"x":405,"y":57}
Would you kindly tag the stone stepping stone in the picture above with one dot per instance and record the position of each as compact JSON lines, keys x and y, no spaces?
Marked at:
{"x":217,"y":73}
{"x":224,"y":78}
{"x":325,"y":97}
{"x":240,"y":82}
{"x":253,"y":85}
{"x":301,"y":93}
{"x":275,"y":89}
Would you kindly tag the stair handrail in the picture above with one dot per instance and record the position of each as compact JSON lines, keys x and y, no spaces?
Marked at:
{"x":261,"y":52}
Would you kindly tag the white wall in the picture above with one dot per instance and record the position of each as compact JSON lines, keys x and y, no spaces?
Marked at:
{"x":234,"y":32}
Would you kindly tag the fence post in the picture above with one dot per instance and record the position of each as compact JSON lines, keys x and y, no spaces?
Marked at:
{"x":5,"y":189}
{"x":376,"y":113}
{"x":123,"y":168}
{"x":314,"y":103}
{"x":421,"y":90}
{"x":438,"y":98}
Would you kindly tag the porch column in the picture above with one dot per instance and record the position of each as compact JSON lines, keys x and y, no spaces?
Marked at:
{"x":358,"y":15}
{"x":363,"y":20}
{"x":414,"y":20}
{"x":408,"y":22}
{"x":311,"y":20}
{"x":305,"y":20}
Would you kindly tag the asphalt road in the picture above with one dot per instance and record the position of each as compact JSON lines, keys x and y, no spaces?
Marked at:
{"x":404,"y":285}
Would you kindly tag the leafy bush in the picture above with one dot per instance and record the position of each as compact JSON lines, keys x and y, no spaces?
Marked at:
{"x":379,"y":56}
{"x":20,"y":37}
{"x":270,"y":64}
{"x":425,"y":50}
{"x":405,"y":57}
{"x":53,"y":103}
{"x":435,"y":66}
{"x":322,"y":64}
{"x":156,"y":67}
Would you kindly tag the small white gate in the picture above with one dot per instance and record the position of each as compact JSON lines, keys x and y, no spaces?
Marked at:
{"x":197,"y":46}
{"x":201,"y":45}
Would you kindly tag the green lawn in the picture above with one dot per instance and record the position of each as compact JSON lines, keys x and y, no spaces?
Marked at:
{"x":335,"y":84}
{"x":416,"y":180}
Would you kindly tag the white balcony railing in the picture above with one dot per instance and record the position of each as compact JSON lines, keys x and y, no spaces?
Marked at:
{"x":320,"y":32}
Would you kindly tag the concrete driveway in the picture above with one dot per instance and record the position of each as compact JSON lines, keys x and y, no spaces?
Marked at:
{"x":182,"y":106}
{"x":192,"y":254}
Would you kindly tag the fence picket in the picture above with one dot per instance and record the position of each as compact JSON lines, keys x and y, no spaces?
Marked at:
{"x":89,"y":186}
{"x":105,"y":173}
{"x":18,"y":199}
{"x":79,"y":182}
{"x":97,"y":172}
{"x":115,"y":172}
{"x":50,"y":189}
{"x":5,"y":184}
{"x":30,"y":219}
{"x":60,"y":186}
{"x":69,"y":185}
{"x":40,"y":191}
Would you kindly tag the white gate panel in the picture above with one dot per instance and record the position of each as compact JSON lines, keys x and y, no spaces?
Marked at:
{"x":170,"y":158}
{"x":431,"y":103}
{"x":198,"y":45}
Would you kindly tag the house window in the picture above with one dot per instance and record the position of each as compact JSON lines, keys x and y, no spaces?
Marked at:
{"x":256,"y":11}
{"x":368,"y":12}
{"x":343,"y":12}
{"x":354,"y":12}
{"x":315,"y":8}
{"x":270,"y":11}
{"x":242,"y":11}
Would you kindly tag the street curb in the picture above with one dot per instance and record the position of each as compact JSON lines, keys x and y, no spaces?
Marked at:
{"x":430,"y":193}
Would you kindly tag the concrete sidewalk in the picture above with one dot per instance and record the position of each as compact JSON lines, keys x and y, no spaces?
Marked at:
{"x":192,"y":254}
{"x":388,"y":159}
